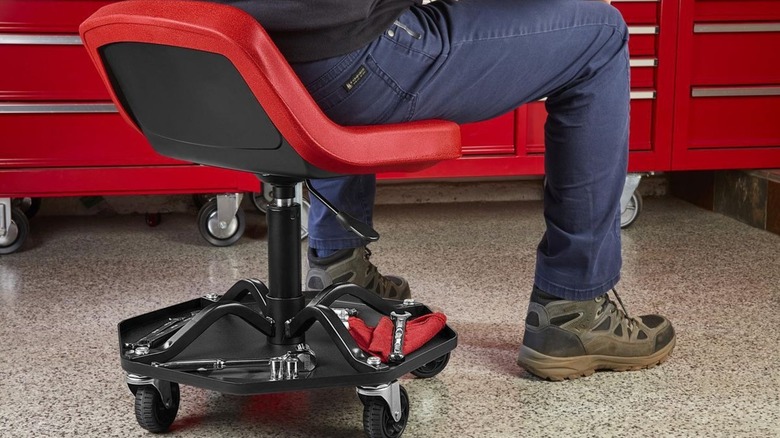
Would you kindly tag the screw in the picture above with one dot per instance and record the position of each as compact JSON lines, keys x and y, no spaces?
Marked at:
{"x":374,"y":361}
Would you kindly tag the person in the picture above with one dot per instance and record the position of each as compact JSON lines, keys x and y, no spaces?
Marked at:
{"x":391,"y":61}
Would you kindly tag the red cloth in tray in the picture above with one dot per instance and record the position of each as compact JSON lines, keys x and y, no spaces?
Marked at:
{"x":378,"y":340}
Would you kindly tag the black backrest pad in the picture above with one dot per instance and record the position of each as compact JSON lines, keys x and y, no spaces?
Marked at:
{"x":195,"y":106}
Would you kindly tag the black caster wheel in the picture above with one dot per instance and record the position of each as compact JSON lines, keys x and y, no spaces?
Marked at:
{"x":150,"y":411}
{"x":634,"y":207}
{"x":17,"y":232}
{"x":260,"y":201}
{"x":153,"y":219}
{"x":29,"y":206}
{"x":378,"y":420}
{"x":210,"y":229}
{"x":432,"y":368}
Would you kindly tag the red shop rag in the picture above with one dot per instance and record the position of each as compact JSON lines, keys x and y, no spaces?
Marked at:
{"x":378,"y":340}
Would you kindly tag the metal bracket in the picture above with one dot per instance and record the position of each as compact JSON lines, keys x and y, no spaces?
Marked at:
{"x":163,"y":387}
{"x":390,"y":392}
{"x":5,"y":216}
{"x":227,"y":206}
{"x":632,"y":182}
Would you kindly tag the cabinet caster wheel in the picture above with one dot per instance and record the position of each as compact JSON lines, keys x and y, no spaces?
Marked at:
{"x":218,"y":234}
{"x":432,"y":368}
{"x":378,"y":421}
{"x":151,"y":412}
{"x":17,"y":232}
{"x":153,"y":219}
{"x":29,"y":206}
{"x":633,"y":208}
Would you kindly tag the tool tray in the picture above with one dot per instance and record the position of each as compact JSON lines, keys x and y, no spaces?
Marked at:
{"x":230,"y":337}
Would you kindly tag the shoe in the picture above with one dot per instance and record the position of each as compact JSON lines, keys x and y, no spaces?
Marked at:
{"x":570,"y":339}
{"x":352,"y":265}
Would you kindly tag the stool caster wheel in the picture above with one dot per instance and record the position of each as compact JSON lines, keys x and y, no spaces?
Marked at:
{"x":218,"y":234}
{"x":17,"y":232}
{"x":151,"y":412}
{"x":378,"y":421}
{"x":632,"y":210}
{"x":432,"y":368}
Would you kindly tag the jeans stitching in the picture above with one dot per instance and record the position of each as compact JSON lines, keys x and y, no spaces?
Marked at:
{"x":388,"y":79}
{"x":618,"y":28}
{"x":431,"y":57}
{"x":325,"y":78}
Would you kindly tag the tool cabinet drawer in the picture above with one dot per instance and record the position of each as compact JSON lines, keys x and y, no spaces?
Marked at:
{"x":643,"y":72}
{"x":736,"y":117}
{"x":47,"y":72}
{"x":643,"y":40}
{"x":46,"y":16}
{"x":638,"y":11}
{"x":736,"y":53}
{"x":63,"y":139}
{"x":494,"y":136}
{"x":640,"y":128}
{"x":736,"y":10}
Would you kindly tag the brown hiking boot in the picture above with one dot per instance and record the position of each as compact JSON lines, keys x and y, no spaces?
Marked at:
{"x":352,"y":265}
{"x":570,"y":339}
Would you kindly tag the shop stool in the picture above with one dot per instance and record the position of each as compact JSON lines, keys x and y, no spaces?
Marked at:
{"x":204,"y":83}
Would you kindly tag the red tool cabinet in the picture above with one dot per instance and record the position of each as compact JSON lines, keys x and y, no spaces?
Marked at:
{"x":705,"y":95}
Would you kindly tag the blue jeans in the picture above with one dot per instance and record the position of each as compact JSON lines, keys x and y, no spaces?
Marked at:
{"x":472,"y":60}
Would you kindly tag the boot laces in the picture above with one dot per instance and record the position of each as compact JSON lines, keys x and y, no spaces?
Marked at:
{"x":384,"y":284}
{"x":622,"y":311}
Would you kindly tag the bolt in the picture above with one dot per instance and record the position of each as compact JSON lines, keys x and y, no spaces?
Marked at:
{"x":222,"y":225}
{"x":374,"y":361}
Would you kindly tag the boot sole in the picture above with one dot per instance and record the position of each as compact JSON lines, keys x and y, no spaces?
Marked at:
{"x":562,"y":368}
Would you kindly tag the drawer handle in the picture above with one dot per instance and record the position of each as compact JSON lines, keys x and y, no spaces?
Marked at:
{"x":643,"y":62}
{"x":734,"y":91}
{"x":643,"y":30}
{"x":56,"y":108}
{"x":736,"y":27}
{"x":635,"y":95}
{"x":51,"y":40}
{"x":643,"y":95}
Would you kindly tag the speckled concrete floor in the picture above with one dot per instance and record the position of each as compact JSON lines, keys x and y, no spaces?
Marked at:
{"x":717,"y":279}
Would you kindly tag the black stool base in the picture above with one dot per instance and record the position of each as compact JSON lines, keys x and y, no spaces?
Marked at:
{"x":231,"y":337}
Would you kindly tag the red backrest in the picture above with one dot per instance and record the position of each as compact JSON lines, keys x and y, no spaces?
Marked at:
{"x":234,"y":34}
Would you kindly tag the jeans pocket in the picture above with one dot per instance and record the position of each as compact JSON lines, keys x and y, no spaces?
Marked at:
{"x":366,"y":95}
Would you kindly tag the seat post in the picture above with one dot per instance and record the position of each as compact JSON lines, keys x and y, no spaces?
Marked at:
{"x":285,"y":298}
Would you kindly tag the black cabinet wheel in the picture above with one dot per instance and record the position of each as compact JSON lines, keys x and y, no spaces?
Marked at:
{"x":220,"y":234}
{"x":17,"y":232}
{"x":378,"y":420}
{"x":150,"y":411}
{"x":433,"y":367}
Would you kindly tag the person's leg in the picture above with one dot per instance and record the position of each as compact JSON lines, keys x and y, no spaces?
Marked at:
{"x":468,"y":61}
{"x":472,"y":60}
